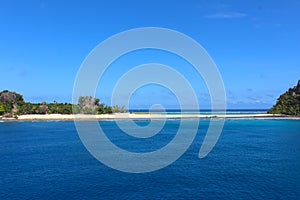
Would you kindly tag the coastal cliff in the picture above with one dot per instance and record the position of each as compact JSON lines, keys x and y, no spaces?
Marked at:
{"x":288,"y":103}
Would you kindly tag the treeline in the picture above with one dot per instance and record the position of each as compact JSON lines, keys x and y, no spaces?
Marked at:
{"x":288,"y":103}
{"x":12,"y":104}
{"x":90,"y":105}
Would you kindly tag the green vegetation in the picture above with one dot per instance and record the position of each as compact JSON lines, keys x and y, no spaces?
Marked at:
{"x":2,"y":111}
{"x":288,"y":103}
{"x":12,"y":104}
{"x":90,"y":105}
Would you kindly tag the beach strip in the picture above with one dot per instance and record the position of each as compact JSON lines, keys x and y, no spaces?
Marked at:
{"x":116,"y":116}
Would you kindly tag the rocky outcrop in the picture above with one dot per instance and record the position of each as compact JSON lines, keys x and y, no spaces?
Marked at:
{"x":10,"y":103}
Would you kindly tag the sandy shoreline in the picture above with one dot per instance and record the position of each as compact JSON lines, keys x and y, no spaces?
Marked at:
{"x":117,"y":116}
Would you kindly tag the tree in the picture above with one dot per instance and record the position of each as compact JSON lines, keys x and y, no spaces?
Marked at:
{"x":108,"y":109}
{"x":43,"y":109}
{"x":123,"y":109}
{"x":55,"y":107}
{"x":2,"y":111}
{"x":116,"y":109}
{"x":101,"y":108}
{"x":96,"y":101}
{"x":88,"y":104}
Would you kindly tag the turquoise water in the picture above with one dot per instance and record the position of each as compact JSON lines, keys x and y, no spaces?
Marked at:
{"x":204,"y":111}
{"x":253,"y":159}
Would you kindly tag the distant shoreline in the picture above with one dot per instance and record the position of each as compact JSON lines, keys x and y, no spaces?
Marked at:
{"x":120,"y":116}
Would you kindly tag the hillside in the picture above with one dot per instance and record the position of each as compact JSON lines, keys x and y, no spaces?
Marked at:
{"x":288,"y":103}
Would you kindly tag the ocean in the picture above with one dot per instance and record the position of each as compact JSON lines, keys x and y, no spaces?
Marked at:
{"x":253,"y":159}
{"x":203,"y":111}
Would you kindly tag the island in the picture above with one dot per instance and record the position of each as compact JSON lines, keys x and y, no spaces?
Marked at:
{"x":288,"y":103}
{"x":13,"y":107}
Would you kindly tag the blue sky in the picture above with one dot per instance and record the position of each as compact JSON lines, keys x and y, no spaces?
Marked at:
{"x":255,"y":45}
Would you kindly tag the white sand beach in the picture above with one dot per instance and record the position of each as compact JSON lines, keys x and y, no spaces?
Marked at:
{"x":146,"y":116}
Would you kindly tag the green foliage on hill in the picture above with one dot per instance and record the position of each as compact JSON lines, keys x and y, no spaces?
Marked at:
{"x":2,"y":111}
{"x":13,"y":104}
{"x":288,"y":103}
{"x":9,"y":103}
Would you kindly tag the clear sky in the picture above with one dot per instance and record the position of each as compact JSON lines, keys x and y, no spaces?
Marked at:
{"x":255,"y":45}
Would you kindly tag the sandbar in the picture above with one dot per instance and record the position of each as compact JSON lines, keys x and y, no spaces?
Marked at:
{"x":118,"y":116}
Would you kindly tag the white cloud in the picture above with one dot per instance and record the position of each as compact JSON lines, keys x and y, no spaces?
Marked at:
{"x":226,"y":15}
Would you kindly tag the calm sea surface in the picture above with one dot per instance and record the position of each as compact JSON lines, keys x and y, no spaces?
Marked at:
{"x":253,"y":159}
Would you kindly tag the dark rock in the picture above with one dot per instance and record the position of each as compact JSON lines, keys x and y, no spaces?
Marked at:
{"x":8,"y":115}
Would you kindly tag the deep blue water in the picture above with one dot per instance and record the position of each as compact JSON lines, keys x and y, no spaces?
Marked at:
{"x":253,"y":159}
